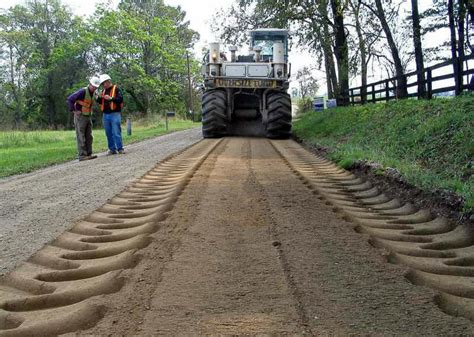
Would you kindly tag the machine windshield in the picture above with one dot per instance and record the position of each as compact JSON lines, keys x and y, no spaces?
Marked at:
{"x":267,"y":43}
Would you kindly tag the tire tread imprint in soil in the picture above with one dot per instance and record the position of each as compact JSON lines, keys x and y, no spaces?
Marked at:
{"x":56,"y":291}
{"x":439,"y":254}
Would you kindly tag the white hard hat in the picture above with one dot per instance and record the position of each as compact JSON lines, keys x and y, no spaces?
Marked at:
{"x":94,"y":81}
{"x":104,"y":77}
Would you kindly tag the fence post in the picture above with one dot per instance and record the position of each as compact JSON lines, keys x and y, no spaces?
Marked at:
{"x":363,"y":94}
{"x":373,"y":93}
{"x":458,"y":78}
{"x":429,"y":84}
{"x":387,"y":92}
{"x":129,"y":126}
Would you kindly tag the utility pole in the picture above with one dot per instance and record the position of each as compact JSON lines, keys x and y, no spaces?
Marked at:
{"x":190,"y":88}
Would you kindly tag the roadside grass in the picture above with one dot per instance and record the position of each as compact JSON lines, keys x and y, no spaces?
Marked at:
{"x":25,"y":151}
{"x":431,"y":143}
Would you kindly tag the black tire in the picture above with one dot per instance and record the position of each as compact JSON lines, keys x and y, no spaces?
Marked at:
{"x":214,"y":113}
{"x":279,"y":115}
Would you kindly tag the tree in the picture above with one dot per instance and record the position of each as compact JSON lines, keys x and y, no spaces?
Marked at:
{"x":379,"y":11}
{"x":12,"y":71}
{"x":420,"y":68}
{"x":308,"y":86}
{"x":355,"y":6}
{"x":341,"y":51}
{"x":314,"y":33}
{"x":42,"y":59}
{"x":458,"y":43}
{"x":452,"y":30}
{"x":435,"y":18}
{"x":462,"y":9}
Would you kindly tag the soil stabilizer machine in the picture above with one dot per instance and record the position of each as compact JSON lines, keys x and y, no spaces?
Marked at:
{"x":247,"y":95}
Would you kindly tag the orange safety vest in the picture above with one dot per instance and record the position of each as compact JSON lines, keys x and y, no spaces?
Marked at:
{"x":113,"y":93}
{"x":86,"y":103}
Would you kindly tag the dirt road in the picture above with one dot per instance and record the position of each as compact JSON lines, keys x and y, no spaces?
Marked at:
{"x":245,"y":236}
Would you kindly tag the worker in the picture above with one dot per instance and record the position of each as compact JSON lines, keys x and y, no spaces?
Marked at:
{"x":80,"y":103}
{"x":111,"y":103}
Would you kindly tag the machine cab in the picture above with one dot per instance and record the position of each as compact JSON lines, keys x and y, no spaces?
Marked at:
{"x":266,"y":38}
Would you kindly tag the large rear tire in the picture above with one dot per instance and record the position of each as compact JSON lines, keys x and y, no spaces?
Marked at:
{"x":214,"y":113}
{"x":279,"y":115}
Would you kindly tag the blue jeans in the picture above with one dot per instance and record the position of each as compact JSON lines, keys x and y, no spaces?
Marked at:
{"x":113,"y":130}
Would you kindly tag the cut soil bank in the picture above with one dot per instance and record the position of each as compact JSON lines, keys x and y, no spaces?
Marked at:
{"x":425,"y":148}
{"x":442,"y":202}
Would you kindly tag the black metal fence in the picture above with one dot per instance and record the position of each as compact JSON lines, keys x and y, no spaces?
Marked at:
{"x":439,"y":79}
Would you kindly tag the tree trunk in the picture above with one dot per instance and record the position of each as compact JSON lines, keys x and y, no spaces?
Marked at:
{"x":420,"y":68}
{"x":50,"y":103}
{"x":363,"y":54}
{"x":14,"y":88}
{"x":326,"y":42}
{"x":401,"y":80}
{"x":328,"y":80}
{"x":453,"y":43}
{"x":139,"y":102}
{"x":331,"y":74}
{"x":461,"y":18}
{"x":341,"y":52}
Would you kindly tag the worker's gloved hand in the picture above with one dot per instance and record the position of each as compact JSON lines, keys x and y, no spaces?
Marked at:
{"x":108,"y":98}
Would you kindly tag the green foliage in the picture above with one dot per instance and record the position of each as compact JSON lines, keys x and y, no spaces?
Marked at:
{"x":44,"y":57}
{"x":346,"y":163}
{"x":430,"y":142}
{"x":304,"y":104}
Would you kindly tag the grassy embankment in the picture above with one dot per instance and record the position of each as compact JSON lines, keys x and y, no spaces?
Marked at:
{"x":431,"y":143}
{"x":22,"y":152}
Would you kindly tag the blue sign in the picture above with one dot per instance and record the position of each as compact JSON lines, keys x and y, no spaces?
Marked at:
{"x":318,"y":104}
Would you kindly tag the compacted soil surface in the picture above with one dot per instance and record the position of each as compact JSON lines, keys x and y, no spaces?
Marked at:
{"x":239,"y":236}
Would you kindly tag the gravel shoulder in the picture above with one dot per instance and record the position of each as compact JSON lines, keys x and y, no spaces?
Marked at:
{"x":36,"y":207}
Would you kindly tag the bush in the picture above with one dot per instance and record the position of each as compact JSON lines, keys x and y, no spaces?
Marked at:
{"x":304,"y":104}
